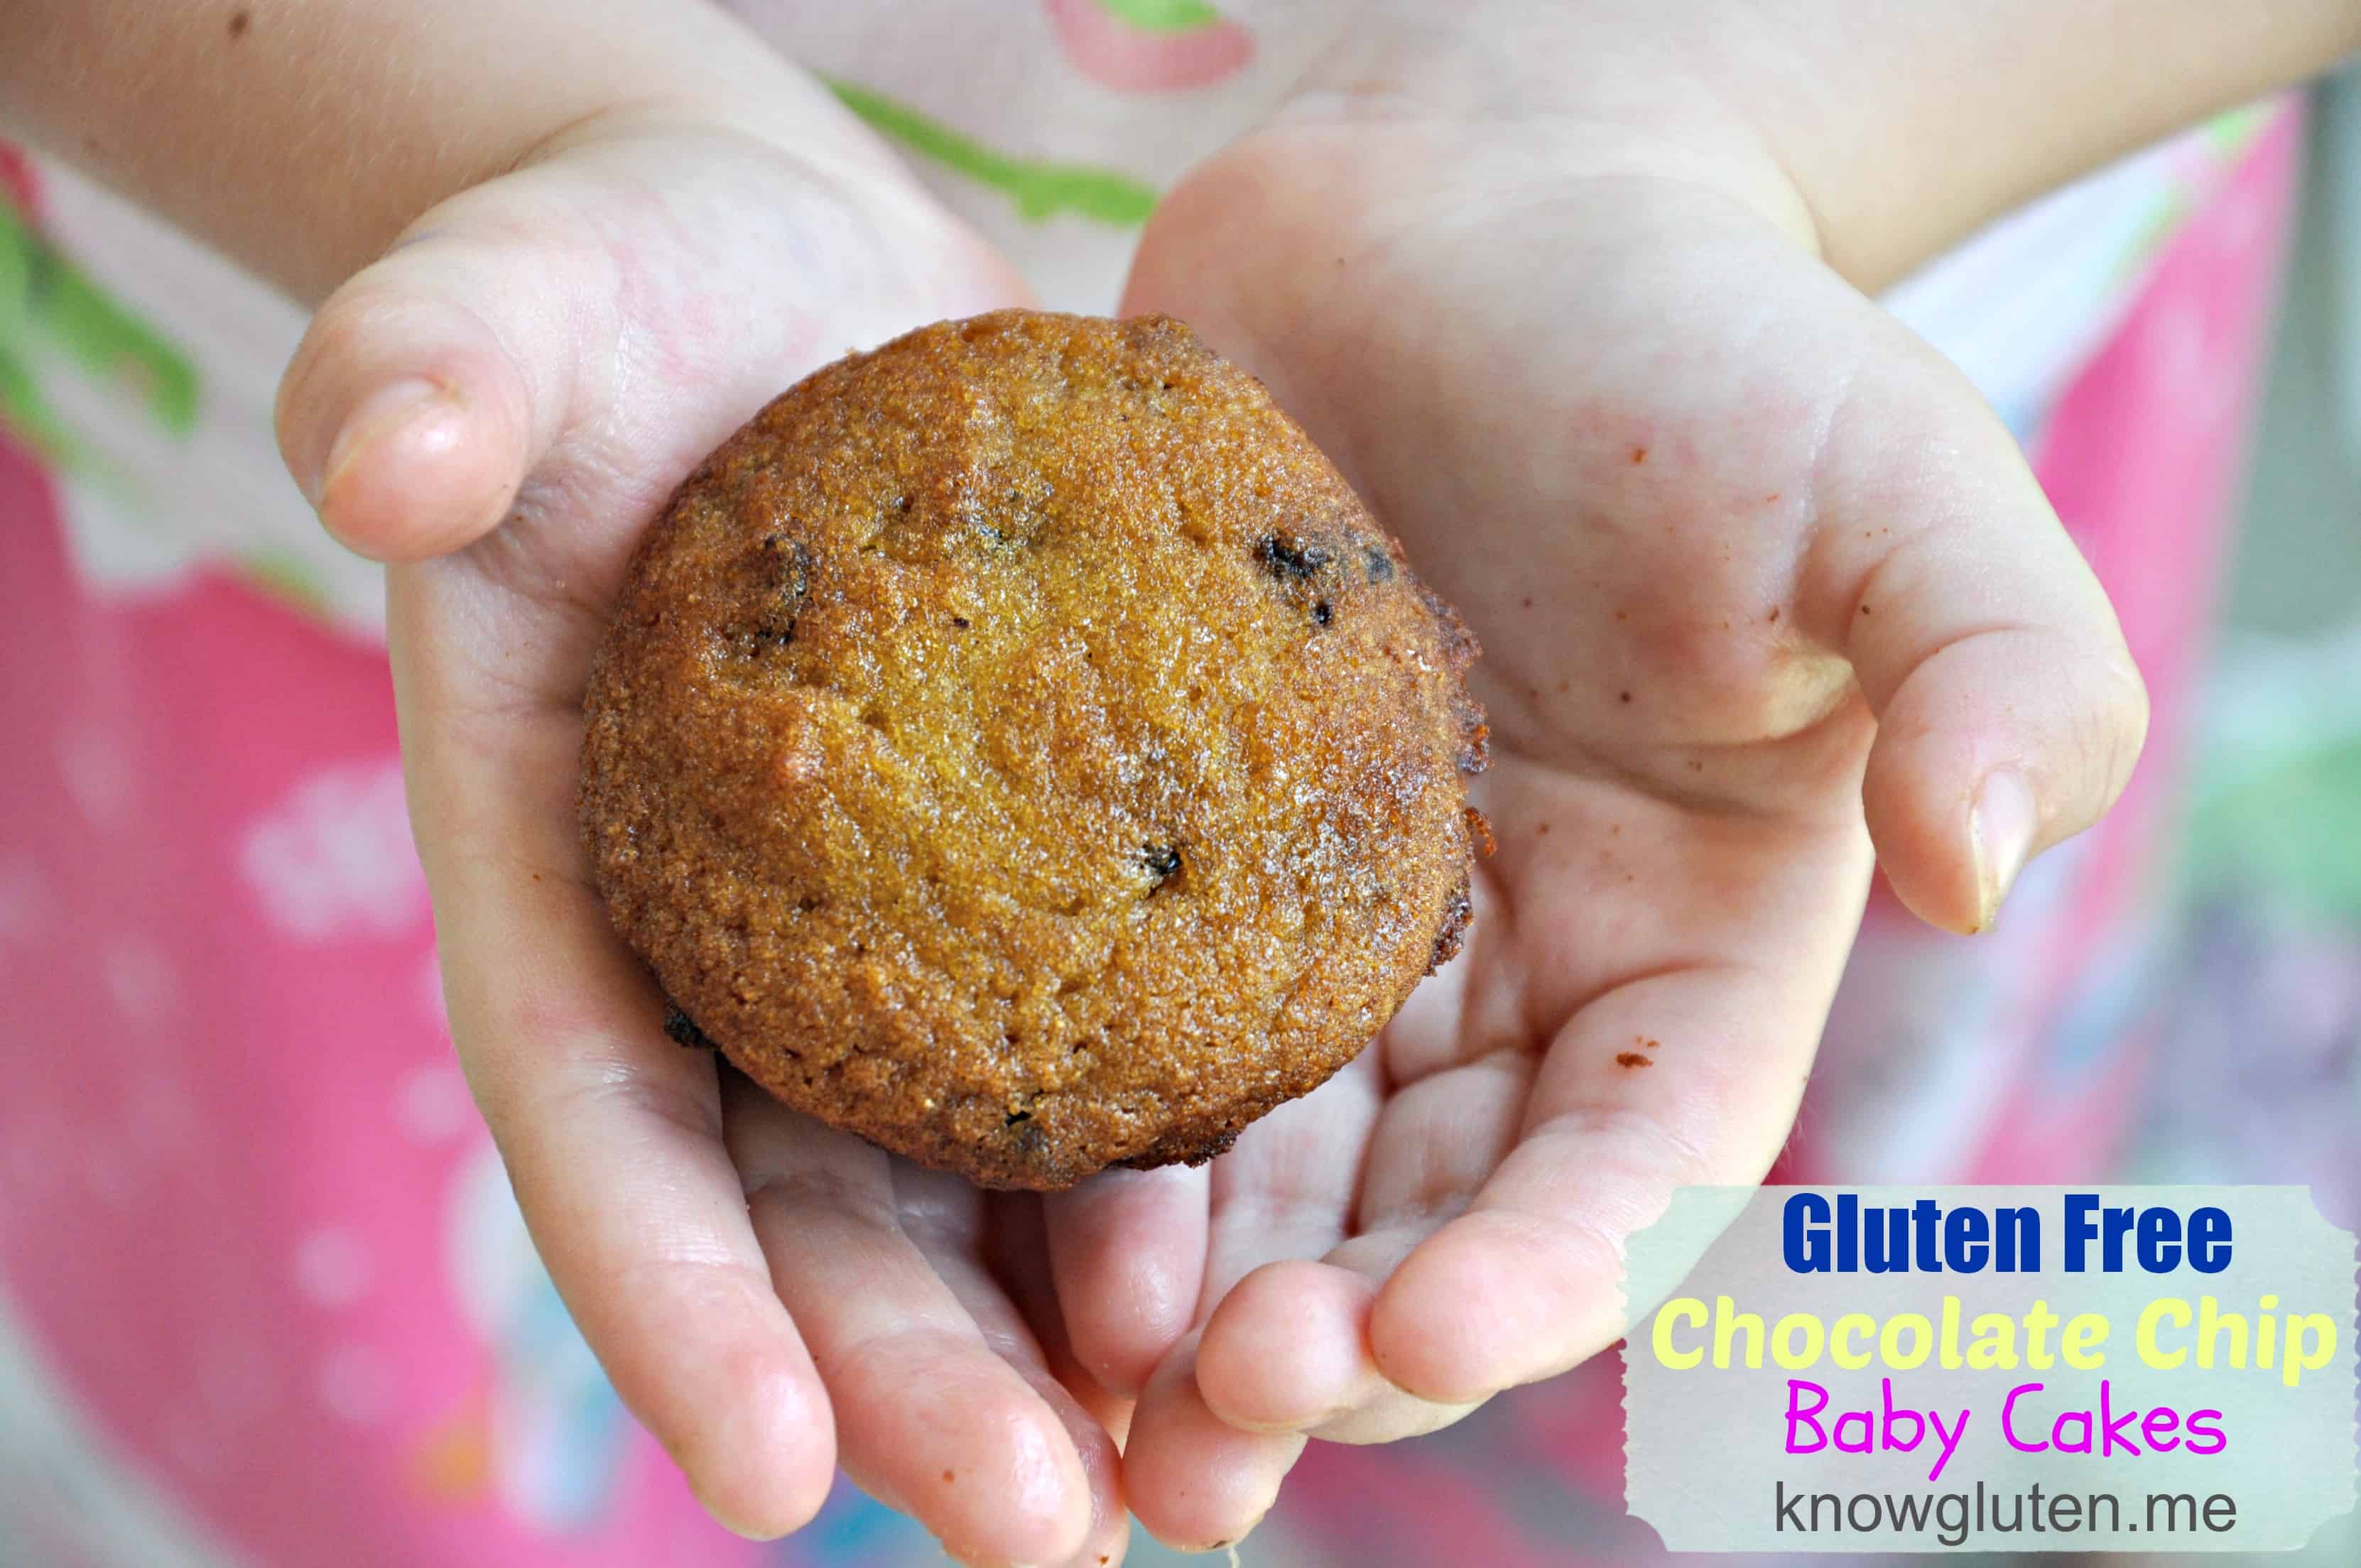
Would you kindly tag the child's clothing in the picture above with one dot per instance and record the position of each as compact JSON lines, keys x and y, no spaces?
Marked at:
{"x":264,"y":1298}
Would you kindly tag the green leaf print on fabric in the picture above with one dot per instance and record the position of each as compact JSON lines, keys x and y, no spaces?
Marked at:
{"x":2226,"y":139}
{"x":1040,"y":188}
{"x":2233,"y":133}
{"x":287,"y":577}
{"x":26,"y":415}
{"x":2160,"y":224}
{"x":1163,"y":15}
{"x":49,"y":306}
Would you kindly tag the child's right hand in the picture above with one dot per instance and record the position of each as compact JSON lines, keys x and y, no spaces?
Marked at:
{"x":499,"y":406}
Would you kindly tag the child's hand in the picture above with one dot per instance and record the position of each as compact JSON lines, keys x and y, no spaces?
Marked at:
{"x":551,"y":353}
{"x":1762,"y":586}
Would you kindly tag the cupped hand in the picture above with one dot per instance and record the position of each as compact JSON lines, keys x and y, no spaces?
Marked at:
{"x":503,"y":402}
{"x":1766,"y":595}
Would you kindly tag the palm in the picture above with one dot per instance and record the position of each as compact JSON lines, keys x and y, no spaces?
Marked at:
{"x":1621,"y":425}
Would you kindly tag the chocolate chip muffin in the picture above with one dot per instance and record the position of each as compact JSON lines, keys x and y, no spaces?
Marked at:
{"x":1019,"y":746}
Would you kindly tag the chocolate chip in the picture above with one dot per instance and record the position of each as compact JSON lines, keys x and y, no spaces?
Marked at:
{"x":683,"y":1030}
{"x":1162,"y":860}
{"x":1475,"y":745}
{"x":790,"y":562}
{"x":1321,"y":614}
{"x":1284,"y":558}
{"x":1455,"y":918}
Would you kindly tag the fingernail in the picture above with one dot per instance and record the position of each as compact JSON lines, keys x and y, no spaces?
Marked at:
{"x":743,"y":1531}
{"x":735,"y":1527}
{"x":1290,"y":1428}
{"x":391,"y":408}
{"x":2001,"y":827}
{"x":1230,"y":1543}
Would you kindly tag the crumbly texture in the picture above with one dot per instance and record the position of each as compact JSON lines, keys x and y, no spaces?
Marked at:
{"x":1019,"y":746}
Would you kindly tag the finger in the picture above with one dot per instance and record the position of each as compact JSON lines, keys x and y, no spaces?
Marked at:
{"x":1309,"y":1323}
{"x":1016,"y":1251}
{"x":1285,"y":1193}
{"x":1197,"y":1483}
{"x":612,"y":1139}
{"x":2009,"y":710}
{"x":627,"y":303}
{"x":1677,"y":1045}
{"x":1288,"y":1349}
{"x":1527,"y":1282}
{"x":1128,"y":1252}
{"x":431,"y":384}
{"x":1285,"y":1190}
{"x":931,"y":1415}
{"x":962,"y":1238}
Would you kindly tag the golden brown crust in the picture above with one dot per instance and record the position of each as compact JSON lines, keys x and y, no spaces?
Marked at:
{"x":1019,"y":746}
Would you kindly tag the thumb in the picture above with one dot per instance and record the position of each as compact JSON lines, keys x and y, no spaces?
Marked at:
{"x":626,"y":301}
{"x":2009,"y":710}
{"x":431,"y":384}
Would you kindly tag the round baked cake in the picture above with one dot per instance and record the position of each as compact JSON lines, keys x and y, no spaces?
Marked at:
{"x":1019,"y":746}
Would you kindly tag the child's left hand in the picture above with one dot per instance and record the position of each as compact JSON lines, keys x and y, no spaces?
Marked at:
{"x":1762,"y":585}
{"x":499,"y":406}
